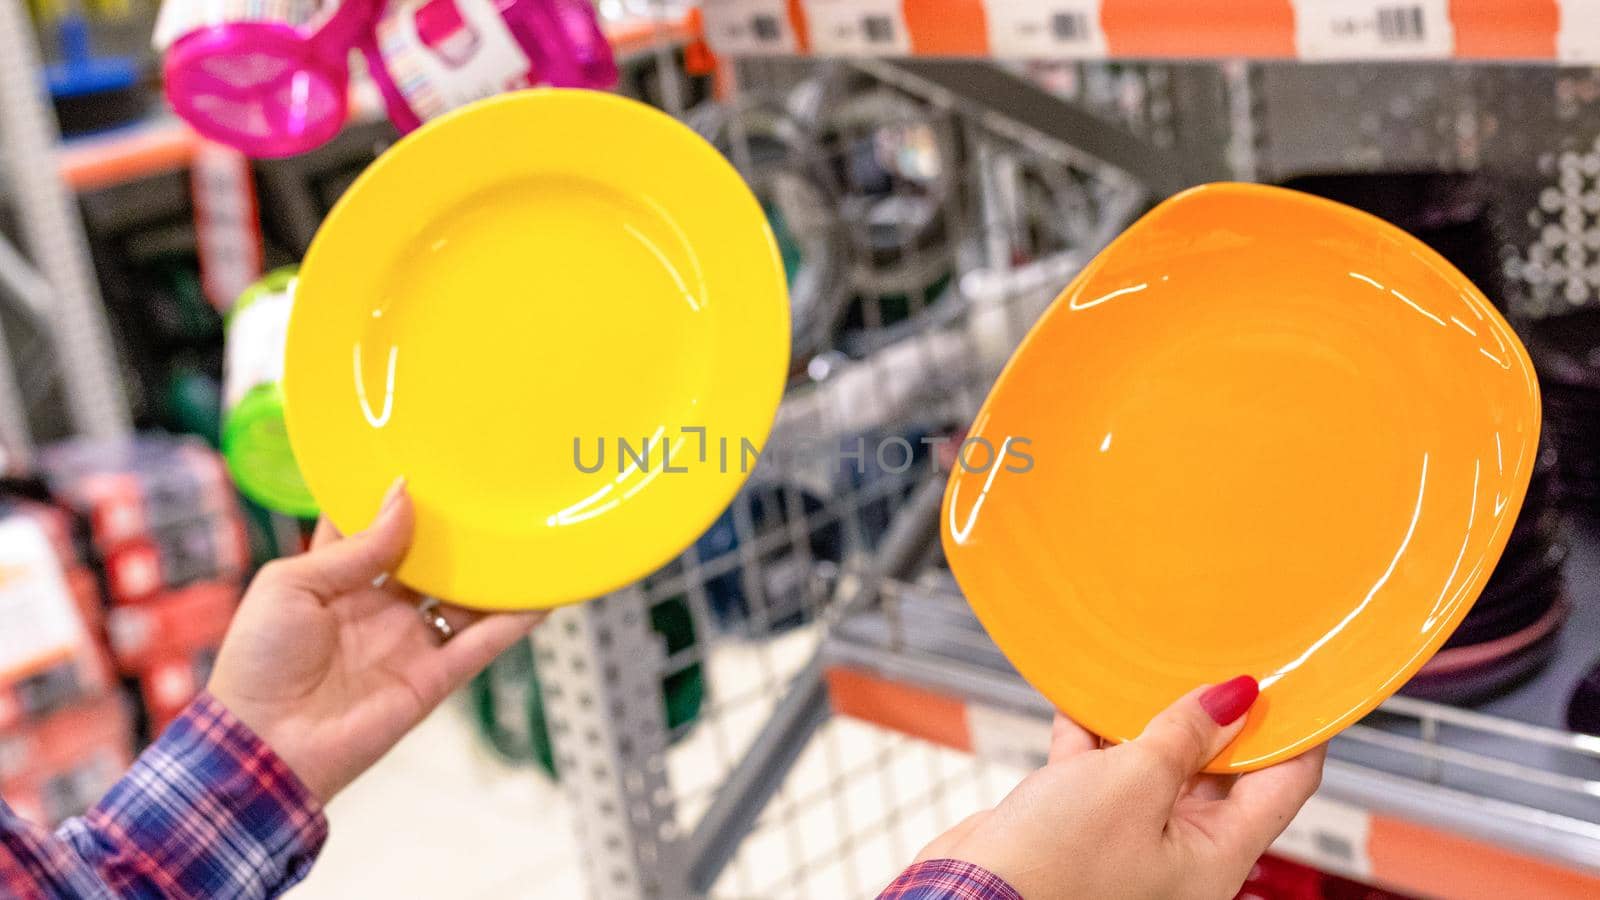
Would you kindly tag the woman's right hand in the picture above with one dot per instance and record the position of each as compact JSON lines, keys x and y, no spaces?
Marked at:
{"x":1139,"y":819}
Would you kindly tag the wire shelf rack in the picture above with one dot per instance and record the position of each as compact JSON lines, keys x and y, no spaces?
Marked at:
{"x":927,"y":212}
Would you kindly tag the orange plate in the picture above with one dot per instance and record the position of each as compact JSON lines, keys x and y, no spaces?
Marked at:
{"x":1261,"y":433}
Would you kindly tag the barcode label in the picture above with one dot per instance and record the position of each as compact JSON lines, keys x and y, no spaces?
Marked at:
{"x":1578,"y":38}
{"x":1374,"y":29}
{"x":1401,"y":23}
{"x":1060,"y":29}
{"x":1329,"y":835}
{"x":749,"y":27}
{"x":857,"y":27}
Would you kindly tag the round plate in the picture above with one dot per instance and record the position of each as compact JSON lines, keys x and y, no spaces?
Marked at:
{"x":1262,"y":433}
{"x":508,"y":298}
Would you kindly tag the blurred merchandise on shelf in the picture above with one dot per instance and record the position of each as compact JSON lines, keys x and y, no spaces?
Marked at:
{"x":167,"y":685}
{"x":255,"y":440}
{"x":438,"y":55}
{"x":1566,"y":350}
{"x":1477,"y":672}
{"x":186,"y":622}
{"x":50,"y":654}
{"x":268,"y":83}
{"x":61,"y":765}
{"x":1511,"y":632}
{"x":659,"y":79}
{"x":92,"y":92}
{"x":192,"y":401}
{"x":210,"y":547}
{"x":64,"y":734}
{"x":145,"y":242}
{"x":1455,"y":213}
{"x":759,"y":558}
{"x":129,"y":489}
{"x":879,"y":469}
{"x":277,"y":86}
{"x":294,"y":194}
{"x":161,"y":522}
{"x":894,"y":160}
{"x":782,"y":165}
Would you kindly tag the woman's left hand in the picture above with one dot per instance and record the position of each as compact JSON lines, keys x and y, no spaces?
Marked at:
{"x":329,"y":661}
{"x":1139,"y":820}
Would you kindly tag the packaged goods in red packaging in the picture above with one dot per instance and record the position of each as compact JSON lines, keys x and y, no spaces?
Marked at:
{"x":48,"y":658}
{"x":214,"y":547}
{"x":170,"y":683}
{"x":127,"y":489}
{"x":59,"y":766}
{"x":174,"y":624}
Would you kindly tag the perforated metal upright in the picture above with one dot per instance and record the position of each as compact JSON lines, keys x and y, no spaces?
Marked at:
{"x":53,"y":237}
{"x":598,"y":666}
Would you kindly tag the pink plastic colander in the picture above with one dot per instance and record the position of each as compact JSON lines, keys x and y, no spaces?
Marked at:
{"x":269,"y":88}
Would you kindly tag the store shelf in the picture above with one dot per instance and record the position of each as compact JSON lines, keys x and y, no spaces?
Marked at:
{"x":1314,"y":30}
{"x":166,"y":143}
{"x":117,"y":157}
{"x":1419,"y":797}
{"x":632,"y":37}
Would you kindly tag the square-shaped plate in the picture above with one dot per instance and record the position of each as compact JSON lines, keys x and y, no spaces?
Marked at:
{"x":1262,"y":433}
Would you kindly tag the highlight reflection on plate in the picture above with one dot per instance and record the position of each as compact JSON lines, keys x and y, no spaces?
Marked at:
{"x":1271,"y":435}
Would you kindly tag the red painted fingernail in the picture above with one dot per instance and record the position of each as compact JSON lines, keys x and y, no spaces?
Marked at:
{"x":1228,"y":701}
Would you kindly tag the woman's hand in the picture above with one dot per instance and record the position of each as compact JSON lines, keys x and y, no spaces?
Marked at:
{"x":329,"y":661}
{"x":1139,"y":820}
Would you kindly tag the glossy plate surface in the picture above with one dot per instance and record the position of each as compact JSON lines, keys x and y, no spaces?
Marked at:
{"x":541,"y":270}
{"x":1269,"y":435}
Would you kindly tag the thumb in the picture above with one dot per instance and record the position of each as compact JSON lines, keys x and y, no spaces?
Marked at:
{"x":1191,"y":732}
{"x":358,"y":560}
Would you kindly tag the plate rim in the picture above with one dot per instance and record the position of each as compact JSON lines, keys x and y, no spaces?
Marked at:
{"x":1425,"y":650}
{"x":722,"y":489}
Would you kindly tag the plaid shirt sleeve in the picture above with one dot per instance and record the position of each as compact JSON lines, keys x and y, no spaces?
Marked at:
{"x":208,"y":810}
{"x":948,"y":879}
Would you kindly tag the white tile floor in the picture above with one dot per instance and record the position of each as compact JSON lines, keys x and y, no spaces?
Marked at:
{"x":443,"y":817}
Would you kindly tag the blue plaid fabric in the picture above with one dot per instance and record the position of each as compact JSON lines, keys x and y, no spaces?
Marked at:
{"x":208,"y":810}
{"x":948,"y":879}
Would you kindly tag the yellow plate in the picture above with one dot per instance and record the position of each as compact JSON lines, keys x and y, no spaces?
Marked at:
{"x":1260,"y":434}
{"x":511,"y":291}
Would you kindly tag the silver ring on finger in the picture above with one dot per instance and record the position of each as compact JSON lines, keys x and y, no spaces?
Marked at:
{"x":435,"y":620}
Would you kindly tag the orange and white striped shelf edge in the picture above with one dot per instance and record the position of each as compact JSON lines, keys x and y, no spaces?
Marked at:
{"x":1554,"y":31}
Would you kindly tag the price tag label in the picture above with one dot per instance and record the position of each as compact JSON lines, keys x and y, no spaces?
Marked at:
{"x":1042,"y":29}
{"x":1578,"y":39}
{"x":748,"y":27}
{"x":227,"y":231}
{"x":1373,"y":29}
{"x":857,"y":28}
{"x":1009,"y":737}
{"x":1330,"y":836}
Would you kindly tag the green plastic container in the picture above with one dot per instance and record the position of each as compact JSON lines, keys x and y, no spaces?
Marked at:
{"x":255,"y":440}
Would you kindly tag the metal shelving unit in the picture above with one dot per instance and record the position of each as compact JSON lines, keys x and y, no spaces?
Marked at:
{"x":833,"y":743}
{"x":54,"y":297}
